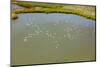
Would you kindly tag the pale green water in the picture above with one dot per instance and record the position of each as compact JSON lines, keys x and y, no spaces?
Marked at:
{"x":51,"y":38}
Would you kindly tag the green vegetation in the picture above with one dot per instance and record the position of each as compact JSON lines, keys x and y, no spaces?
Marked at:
{"x":34,"y":7}
{"x":14,"y":16}
{"x":13,"y":0}
{"x":35,"y":4}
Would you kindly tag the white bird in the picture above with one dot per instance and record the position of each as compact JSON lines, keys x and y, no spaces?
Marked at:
{"x":25,"y":40}
{"x":64,"y":35}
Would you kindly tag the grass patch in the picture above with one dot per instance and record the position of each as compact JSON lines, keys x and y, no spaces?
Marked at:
{"x":34,"y":7}
{"x":14,"y":16}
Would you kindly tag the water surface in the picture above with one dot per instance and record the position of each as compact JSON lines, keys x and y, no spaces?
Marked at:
{"x":38,"y":38}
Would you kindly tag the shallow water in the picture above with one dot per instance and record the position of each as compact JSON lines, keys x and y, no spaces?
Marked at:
{"x":38,"y":38}
{"x":14,"y":6}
